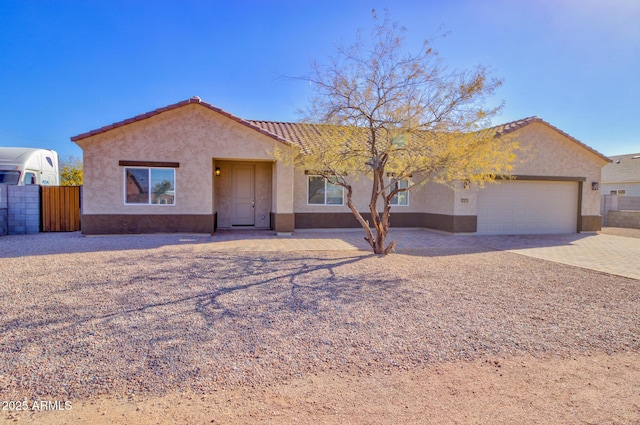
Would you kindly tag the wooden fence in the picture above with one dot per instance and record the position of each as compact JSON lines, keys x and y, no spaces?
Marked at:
{"x":60,"y":206}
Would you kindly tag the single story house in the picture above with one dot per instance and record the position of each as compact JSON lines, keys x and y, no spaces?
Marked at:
{"x":193,"y":167}
{"x":622,"y":176}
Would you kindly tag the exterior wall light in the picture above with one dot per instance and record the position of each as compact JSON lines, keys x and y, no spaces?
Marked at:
{"x":217,"y":171}
{"x":594,"y":185}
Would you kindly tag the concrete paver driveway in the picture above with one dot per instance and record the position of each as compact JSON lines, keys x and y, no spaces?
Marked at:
{"x":617,"y":255}
{"x":606,"y":253}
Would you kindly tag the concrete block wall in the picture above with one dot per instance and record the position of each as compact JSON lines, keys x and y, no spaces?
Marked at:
{"x":610,"y":203}
{"x":4,"y":212}
{"x":606,"y":205}
{"x":627,"y":219}
{"x":4,"y":215}
{"x":629,"y":203}
{"x":23,"y":209}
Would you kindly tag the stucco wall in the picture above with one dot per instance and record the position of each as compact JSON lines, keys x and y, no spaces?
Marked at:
{"x":439,"y":198}
{"x":200,"y":139}
{"x":465,"y":199}
{"x":361,"y":197}
{"x":283,"y":188}
{"x":191,"y":135}
{"x":545,"y":152}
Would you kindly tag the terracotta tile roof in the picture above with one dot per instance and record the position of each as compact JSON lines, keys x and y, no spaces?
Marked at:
{"x":623,"y":169}
{"x":193,"y":100}
{"x":305,"y":135}
{"x":309,"y":135}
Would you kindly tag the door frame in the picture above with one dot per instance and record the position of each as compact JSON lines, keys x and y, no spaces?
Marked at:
{"x":246,"y":203}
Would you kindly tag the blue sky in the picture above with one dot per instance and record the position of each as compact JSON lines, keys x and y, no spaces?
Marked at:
{"x":67,"y":67}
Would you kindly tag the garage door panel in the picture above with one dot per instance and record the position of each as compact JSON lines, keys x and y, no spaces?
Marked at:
{"x":528,"y":207}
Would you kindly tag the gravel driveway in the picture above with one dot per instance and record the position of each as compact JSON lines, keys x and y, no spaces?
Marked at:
{"x":149,"y":315}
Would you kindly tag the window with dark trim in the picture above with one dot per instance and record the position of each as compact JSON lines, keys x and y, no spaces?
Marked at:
{"x":9,"y":177}
{"x":149,"y":186}
{"x":320,"y":191}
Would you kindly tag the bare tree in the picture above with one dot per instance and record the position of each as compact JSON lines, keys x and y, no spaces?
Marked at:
{"x":388,"y":112}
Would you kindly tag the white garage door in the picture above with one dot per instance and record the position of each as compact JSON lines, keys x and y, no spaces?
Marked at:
{"x":528,"y":207}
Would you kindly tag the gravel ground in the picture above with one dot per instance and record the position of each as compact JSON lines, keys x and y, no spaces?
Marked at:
{"x":140,"y":315}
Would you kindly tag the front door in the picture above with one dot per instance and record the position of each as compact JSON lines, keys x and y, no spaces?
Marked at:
{"x":242,"y":195}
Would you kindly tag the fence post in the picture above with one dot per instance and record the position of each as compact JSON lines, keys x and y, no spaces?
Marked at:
{"x":4,"y":210}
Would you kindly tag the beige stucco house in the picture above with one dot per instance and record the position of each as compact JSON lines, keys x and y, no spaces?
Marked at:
{"x":192,"y":167}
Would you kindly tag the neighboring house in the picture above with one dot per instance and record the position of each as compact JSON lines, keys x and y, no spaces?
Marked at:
{"x":192,"y":167}
{"x":622,"y":176}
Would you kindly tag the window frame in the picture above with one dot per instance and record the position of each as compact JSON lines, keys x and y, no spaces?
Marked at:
{"x":149,"y":186}
{"x":397,"y":198}
{"x":30,"y":177}
{"x":7,"y":173}
{"x":326,"y":181}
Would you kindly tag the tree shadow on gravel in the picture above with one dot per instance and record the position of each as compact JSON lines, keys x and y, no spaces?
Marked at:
{"x":197,"y":320}
{"x":132,"y":290}
{"x":134,"y":326}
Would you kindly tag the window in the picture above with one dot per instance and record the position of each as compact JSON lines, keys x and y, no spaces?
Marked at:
{"x":322,"y":192}
{"x":9,"y":177}
{"x":29,"y":177}
{"x":400,"y":198}
{"x":619,"y":192}
{"x":145,"y":186}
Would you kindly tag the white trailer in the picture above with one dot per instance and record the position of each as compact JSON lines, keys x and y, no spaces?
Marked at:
{"x":29,"y":166}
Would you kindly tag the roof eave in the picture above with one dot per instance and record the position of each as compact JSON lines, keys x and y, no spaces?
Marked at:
{"x":194,"y":100}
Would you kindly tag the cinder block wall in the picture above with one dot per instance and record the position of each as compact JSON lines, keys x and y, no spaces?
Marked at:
{"x":627,"y":219}
{"x":3,"y":221}
{"x":23,"y":204}
{"x":631,"y":203}
{"x":4,"y":213}
{"x":610,"y":203}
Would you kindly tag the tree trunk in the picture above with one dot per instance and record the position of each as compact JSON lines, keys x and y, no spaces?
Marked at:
{"x":380,"y":223}
{"x":364,"y":223}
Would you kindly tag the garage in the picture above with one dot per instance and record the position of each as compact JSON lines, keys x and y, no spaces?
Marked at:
{"x":528,"y":207}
